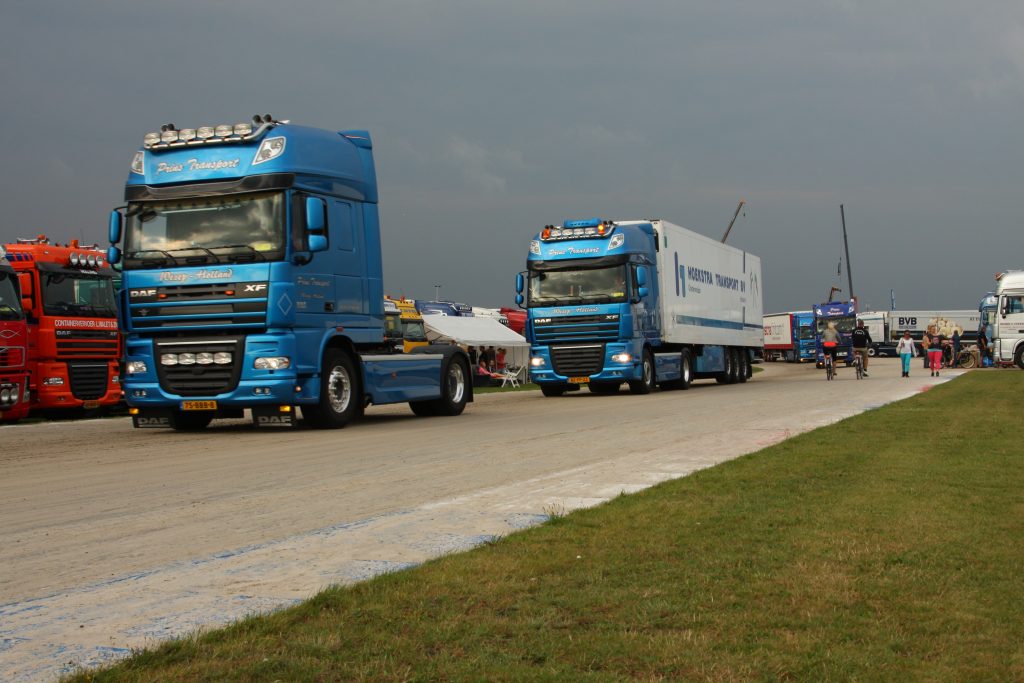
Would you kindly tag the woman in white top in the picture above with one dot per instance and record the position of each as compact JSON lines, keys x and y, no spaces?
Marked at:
{"x":905,"y":347}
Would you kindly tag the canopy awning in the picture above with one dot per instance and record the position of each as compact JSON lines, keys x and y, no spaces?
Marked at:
{"x":471,"y":331}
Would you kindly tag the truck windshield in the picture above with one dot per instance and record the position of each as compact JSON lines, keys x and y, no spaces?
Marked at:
{"x":844,"y":324}
{"x":806,"y":332}
{"x":201,"y":230}
{"x":10,"y":304}
{"x":563,"y":287}
{"x":79,"y":294}
{"x":414,"y":331}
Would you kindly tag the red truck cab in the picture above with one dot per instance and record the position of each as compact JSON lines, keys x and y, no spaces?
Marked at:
{"x":14,"y":394}
{"x":73,"y":341}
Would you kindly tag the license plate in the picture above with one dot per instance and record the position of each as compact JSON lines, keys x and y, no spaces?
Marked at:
{"x":199,"y":405}
{"x":579,"y":380}
{"x":89,"y":405}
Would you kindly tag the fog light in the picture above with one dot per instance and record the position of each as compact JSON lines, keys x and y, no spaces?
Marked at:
{"x":622,"y":358}
{"x":135,"y":367}
{"x":139,"y":393}
{"x":54,"y":381}
{"x":537,"y":362}
{"x":272,"y":363}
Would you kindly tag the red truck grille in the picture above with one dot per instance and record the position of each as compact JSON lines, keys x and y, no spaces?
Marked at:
{"x":12,"y":357}
{"x":87,"y":344}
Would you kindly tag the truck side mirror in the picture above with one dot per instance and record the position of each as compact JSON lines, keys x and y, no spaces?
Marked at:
{"x":519,"y":283}
{"x":317,"y":243}
{"x":643,"y":292}
{"x":113,"y":255}
{"x":114,"y":227}
{"x":641,"y":277}
{"x":315,"y":218}
{"x":519,"y":300}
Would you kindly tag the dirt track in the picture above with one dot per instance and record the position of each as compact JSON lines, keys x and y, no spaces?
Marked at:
{"x":112,"y":537}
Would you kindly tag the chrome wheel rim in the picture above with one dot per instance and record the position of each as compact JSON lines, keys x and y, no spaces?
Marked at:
{"x":456,"y":382}
{"x":339,"y":389}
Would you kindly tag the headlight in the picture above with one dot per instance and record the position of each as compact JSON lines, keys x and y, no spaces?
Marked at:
{"x":271,"y":148}
{"x":224,"y":131}
{"x":187,"y":134}
{"x":5,"y":395}
{"x":243,"y":129}
{"x":165,"y":359}
{"x":622,"y":358}
{"x":535,"y":247}
{"x":204,"y":358}
{"x":135,"y":367}
{"x":138,"y":162}
{"x":151,"y":139}
{"x":186,"y":359}
{"x":272,"y":363}
{"x":204,"y":132}
{"x":617,"y":240}
{"x":222,"y":358}
{"x":537,"y":362}
{"x":169,"y":136}
{"x":54,"y":381}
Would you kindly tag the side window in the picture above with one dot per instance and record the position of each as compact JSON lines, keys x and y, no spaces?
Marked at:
{"x":1015,"y":304}
{"x":343,"y":226}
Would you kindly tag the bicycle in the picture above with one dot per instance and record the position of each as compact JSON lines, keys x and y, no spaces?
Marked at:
{"x":830,"y":370}
{"x":858,"y":366}
{"x":966,"y":359}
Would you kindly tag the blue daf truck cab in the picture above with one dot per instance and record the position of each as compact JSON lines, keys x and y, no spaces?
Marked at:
{"x":804,"y":336}
{"x":598,"y":310}
{"x":842,"y":314}
{"x":252,"y":279}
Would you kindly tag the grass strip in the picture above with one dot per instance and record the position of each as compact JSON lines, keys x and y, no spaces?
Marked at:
{"x":885,"y":547}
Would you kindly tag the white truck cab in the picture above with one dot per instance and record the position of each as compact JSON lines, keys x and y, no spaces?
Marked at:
{"x":1008,"y":332}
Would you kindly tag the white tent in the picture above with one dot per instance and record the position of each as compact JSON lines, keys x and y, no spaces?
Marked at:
{"x":478,"y":332}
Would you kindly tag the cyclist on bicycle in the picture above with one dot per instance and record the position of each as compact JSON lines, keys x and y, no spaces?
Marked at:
{"x":861,"y":342}
{"x":830,"y":341}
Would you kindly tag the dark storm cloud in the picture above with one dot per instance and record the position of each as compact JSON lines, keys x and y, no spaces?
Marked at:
{"x":492,"y":119}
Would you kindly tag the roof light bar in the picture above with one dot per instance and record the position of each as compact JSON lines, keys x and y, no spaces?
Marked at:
{"x":582,"y":229}
{"x":169,"y":136}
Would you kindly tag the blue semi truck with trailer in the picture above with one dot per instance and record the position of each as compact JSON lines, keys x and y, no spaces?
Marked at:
{"x":645,"y":303}
{"x":252,"y":279}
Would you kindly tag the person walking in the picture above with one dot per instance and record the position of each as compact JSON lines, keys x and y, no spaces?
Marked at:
{"x":955,"y":340}
{"x":925,"y":341}
{"x":861,"y":343}
{"x":935,"y":353}
{"x":906,"y":350}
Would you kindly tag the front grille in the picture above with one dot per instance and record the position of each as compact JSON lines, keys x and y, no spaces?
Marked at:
{"x":578,"y":361}
{"x":199,"y":380}
{"x":234,"y":304}
{"x":12,"y":357}
{"x":602,"y":327}
{"x":87,"y":344}
{"x":88,"y":380}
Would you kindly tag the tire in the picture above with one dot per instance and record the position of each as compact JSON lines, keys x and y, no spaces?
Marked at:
{"x":743,"y":367}
{"x":552,"y":390}
{"x":189,"y":421}
{"x":724,"y":375}
{"x":340,"y":396}
{"x":454,"y":389}
{"x":645,"y":385}
{"x":734,"y":370}
{"x":872,"y":352}
{"x":1018,"y":357}
{"x":685,"y":370}
{"x":967,"y":360}
{"x":604,"y":388}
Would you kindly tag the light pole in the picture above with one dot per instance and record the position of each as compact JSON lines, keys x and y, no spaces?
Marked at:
{"x":437,"y":292}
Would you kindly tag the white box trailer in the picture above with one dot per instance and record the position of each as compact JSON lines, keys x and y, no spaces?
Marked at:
{"x":943,"y":322}
{"x":710,"y":293}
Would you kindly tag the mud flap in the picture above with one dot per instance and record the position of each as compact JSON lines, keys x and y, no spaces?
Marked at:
{"x":152,"y":419}
{"x":274,"y":416}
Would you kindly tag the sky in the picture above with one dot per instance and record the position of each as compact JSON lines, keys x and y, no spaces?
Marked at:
{"x":493,"y":119}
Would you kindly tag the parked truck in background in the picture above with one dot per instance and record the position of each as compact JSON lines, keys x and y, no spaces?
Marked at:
{"x":252,"y":279}
{"x":643,"y":302}
{"x":14,"y":385}
{"x":73,"y":341}
{"x":414,"y":334}
{"x":789,"y":336}
{"x":1008,"y":333}
{"x":966,"y":322}
{"x":443,"y":308}
{"x":841,"y":314}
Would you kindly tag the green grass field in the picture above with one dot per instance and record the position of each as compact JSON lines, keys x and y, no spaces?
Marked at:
{"x":887,"y":547}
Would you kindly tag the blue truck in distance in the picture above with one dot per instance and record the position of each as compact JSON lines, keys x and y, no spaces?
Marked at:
{"x":842,"y":314}
{"x":252,"y":279}
{"x":645,"y":302}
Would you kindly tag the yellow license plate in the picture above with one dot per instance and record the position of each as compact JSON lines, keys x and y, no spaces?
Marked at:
{"x":199,"y":405}
{"x":89,"y":405}
{"x":579,"y":380}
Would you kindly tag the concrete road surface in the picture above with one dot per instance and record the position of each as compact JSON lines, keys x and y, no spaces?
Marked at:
{"x":113,"y":538}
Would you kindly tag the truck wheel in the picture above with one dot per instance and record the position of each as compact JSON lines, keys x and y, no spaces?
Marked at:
{"x":645,"y":385}
{"x":872,"y":352}
{"x":552,"y":390}
{"x":188,"y":421}
{"x":685,"y":370}
{"x":604,"y":388}
{"x":727,"y":372}
{"x":453,"y":392}
{"x":743,"y":366}
{"x":1018,"y":357}
{"x":340,"y":399}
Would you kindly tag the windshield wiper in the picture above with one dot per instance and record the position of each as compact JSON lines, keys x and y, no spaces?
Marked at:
{"x":252,"y":249}
{"x":151,"y":261}
{"x":553,"y":300}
